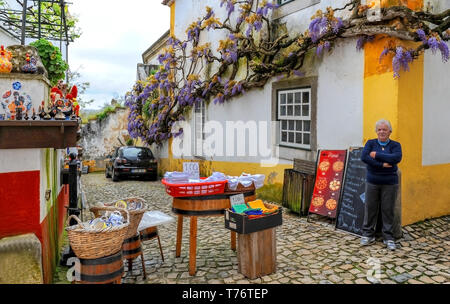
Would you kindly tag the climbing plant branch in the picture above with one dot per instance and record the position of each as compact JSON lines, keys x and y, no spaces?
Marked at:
{"x":251,"y":42}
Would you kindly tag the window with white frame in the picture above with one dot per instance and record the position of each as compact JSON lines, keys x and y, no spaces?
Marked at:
{"x":287,"y":7}
{"x":199,"y":127}
{"x":294,"y":115}
{"x":280,"y":2}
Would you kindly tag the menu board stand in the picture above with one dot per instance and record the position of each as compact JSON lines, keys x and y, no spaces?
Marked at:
{"x":330,"y":167}
{"x":350,"y":212}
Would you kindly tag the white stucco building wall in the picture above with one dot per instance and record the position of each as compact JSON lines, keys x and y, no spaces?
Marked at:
{"x":339,"y":90}
{"x":340,"y":97}
{"x":436,"y":103}
{"x":436,"y":109}
{"x":6,"y":39}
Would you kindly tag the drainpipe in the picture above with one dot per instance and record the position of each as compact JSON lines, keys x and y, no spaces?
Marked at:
{"x":73,"y":204}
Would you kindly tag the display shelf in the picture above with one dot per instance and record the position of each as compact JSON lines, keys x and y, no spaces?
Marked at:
{"x":29,"y":134}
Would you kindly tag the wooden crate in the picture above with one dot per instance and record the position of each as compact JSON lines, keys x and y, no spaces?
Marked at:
{"x":242,"y":224}
{"x":297,"y":191}
{"x":257,"y":253}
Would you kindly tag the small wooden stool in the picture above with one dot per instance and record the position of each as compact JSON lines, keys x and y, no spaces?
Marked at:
{"x":149,"y":234}
{"x":132,"y":249}
{"x":257,"y":253}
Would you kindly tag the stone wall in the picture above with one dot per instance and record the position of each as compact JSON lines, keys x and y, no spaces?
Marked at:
{"x":100,"y":137}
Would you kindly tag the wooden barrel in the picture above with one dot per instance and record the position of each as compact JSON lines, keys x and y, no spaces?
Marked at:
{"x":206,"y":205}
{"x":131,"y":247}
{"x":149,"y":233}
{"x":103,"y":270}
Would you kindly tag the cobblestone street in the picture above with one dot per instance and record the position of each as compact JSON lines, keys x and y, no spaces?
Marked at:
{"x":307,"y":252}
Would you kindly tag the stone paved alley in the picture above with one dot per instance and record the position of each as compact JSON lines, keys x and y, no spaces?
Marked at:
{"x":307,"y":253}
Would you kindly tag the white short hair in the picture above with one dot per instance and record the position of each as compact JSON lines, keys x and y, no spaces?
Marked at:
{"x":383,"y":122}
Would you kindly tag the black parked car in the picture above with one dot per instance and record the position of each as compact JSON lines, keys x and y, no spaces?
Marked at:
{"x":131,"y":161}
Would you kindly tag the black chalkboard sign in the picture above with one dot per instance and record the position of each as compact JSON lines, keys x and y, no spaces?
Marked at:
{"x":350,"y":213}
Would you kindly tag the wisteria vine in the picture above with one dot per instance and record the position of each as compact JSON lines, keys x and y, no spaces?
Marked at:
{"x":185,"y":78}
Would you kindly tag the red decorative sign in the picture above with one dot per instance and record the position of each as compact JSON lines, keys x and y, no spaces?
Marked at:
{"x":328,"y":183}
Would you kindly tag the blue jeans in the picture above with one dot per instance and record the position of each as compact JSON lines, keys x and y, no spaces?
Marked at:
{"x":379,"y":197}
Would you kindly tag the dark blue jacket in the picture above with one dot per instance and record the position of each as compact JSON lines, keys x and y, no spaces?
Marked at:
{"x":376,"y":173}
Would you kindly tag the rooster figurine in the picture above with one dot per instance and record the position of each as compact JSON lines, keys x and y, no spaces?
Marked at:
{"x":72,"y":97}
{"x":30,"y":65}
{"x":5,"y":60}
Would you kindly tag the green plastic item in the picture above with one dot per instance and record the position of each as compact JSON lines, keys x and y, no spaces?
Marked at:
{"x":240,"y":208}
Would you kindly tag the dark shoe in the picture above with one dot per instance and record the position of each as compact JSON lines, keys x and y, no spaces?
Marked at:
{"x":390,"y":244}
{"x":365,"y":240}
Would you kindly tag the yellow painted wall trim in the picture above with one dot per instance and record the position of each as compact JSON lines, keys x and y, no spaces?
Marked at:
{"x":172,"y":19}
{"x":424,"y":190}
{"x":412,"y":4}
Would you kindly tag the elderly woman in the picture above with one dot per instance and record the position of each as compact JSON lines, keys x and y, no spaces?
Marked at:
{"x":381,"y":156}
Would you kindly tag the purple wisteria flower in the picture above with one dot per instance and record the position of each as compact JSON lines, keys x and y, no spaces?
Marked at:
{"x":230,"y":6}
{"x":319,"y":49}
{"x":220,"y":98}
{"x":421,"y":35}
{"x":384,"y":53}
{"x":325,"y":46}
{"x":178,"y":133}
{"x":402,"y":59}
{"x":443,"y":47}
{"x":362,"y":40}
{"x":336,"y":25}
{"x":434,"y":44}
{"x":298,"y":73}
{"x":360,"y":43}
{"x":209,"y":14}
{"x":318,"y":27}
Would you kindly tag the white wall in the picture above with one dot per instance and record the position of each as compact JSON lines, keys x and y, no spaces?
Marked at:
{"x":340,"y":86}
{"x":340,"y":98}
{"x":436,"y":109}
{"x":100,"y":138}
{"x":7,"y":40}
{"x":436,"y":103}
{"x":23,"y":160}
{"x":19,"y":160}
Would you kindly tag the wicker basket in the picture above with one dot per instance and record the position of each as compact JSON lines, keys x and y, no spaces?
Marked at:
{"x":240,"y":188}
{"x":95,"y":243}
{"x":135,"y":215}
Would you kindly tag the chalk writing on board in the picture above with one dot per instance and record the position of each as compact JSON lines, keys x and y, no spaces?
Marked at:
{"x":351,"y":207}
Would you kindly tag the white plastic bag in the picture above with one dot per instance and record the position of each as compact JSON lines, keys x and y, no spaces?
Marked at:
{"x":232,"y":182}
{"x":245,"y":180}
{"x":258,"y":180}
{"x":216,"y":177}
{"x":154,"y":218}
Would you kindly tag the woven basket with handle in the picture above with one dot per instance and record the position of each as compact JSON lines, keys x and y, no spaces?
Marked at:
{"x":96,"y":243}
{"x":135,"y":215}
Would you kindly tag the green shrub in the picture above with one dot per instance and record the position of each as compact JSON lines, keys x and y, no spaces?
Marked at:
{"x":51,"y":59}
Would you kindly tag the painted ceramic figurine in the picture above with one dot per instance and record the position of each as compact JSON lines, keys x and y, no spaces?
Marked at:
{"x":41,"y":111}
{"x":30,"y":65}
{"x":59,"y":115}
{"x":74,"y":106}
{"x":5,"y":60}
{"x":19,"y":113}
